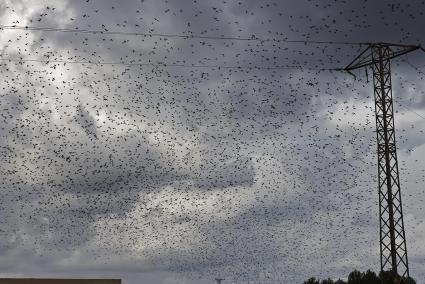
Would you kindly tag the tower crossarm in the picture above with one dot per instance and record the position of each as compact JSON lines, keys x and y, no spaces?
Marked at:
{"x":366,"y":59}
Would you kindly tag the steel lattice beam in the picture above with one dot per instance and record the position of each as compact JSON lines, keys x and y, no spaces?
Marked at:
{"x":393,"y":249}
{"x":392,"y":234}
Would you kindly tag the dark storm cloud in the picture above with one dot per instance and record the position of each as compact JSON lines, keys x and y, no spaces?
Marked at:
{"x":86,"y":121}
{"x":234,"y":173}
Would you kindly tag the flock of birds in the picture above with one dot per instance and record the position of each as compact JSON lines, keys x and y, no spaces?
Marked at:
{"x":215,"y":139}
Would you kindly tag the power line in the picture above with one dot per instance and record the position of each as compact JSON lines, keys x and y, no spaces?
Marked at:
{"x":413,"y":66}
{"x":47,"y":61}
{"x":411,"y":110}
{"x":107,"y":32}
{"x":419,"y":71}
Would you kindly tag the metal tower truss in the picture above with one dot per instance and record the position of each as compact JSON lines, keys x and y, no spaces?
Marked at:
{"x":392,"y":235}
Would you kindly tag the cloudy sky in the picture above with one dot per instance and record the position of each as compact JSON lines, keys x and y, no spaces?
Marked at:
{"x":192,"y":171}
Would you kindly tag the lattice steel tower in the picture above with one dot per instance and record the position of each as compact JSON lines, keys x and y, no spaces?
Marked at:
{"x":392,"y":236}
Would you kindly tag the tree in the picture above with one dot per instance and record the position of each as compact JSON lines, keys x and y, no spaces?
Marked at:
{"x":312,"y":280}
{"x":370,"y":277}
{"x":409,"y":280}
{"x":387,"y":277}
{"x":355,"y":277}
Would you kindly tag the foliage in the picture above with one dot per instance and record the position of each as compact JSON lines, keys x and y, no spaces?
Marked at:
{"x":355,"y":277}
{"x":368,"y":277}
{"x":312,"y":280}
{"x":410,"y":280}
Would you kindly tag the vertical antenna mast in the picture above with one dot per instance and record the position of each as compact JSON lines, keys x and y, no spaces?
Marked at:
{"x":392,"y":235}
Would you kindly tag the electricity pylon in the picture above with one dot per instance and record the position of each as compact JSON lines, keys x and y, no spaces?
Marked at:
{"x":392,"y":236}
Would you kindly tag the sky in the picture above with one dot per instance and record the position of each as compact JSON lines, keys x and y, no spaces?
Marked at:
{"x":169,"y":166}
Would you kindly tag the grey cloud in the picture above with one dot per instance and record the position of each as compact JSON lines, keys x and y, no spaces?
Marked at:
{"x":221,"y":175}
{"x":86,"y":121}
